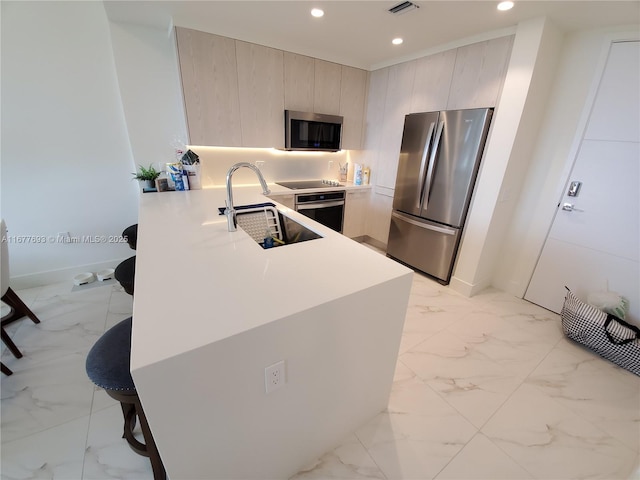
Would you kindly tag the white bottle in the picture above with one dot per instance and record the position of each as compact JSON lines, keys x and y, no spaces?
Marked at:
{"x":357,"y":174}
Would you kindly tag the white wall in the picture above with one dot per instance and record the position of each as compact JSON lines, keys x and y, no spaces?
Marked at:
{"x":66,"y":158}
{"x":147,"y":68}
{"x":581,"y":61}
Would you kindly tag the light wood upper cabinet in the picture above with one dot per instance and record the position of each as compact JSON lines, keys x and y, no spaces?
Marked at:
{"x":397,"y":105}
{"x":210,"y":87}
{"x":235,"y":92}
{"x":299,"y":71}
{"x":261,"y":91}
{"x":326,"y":90}
{"x":479,"y":73}
{"x":432,"y":82}
{"x":353,"y":88}
{"x":376,"y":100}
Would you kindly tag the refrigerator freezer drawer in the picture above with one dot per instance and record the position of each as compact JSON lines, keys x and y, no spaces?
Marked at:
{"x":423,"y":245}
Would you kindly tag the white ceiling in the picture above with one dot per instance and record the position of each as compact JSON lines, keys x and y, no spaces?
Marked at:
{"x":359,"y":33}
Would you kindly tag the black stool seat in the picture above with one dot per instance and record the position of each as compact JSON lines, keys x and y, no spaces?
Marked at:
{"x":108,"y":362}
{"x":125,"y":273}
{"x":108,"y":365}
{"x":131,"y":235}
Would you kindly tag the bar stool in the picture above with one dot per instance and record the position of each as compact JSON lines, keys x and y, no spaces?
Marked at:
{"x":125,"y":273}
{"x":131,"y":234}
{"x":108,"y":367}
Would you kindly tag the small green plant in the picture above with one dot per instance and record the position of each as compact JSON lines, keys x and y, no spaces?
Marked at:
{"x":146,"y":173}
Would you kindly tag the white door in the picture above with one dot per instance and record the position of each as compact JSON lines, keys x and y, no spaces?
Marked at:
{"x":594,"y":239}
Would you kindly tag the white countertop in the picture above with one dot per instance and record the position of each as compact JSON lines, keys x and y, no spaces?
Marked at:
{"x":197,"y":283}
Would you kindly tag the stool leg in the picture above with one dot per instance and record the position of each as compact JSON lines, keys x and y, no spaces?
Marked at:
{"x":159,"y":472}
{"x":129,"y":415}
{"x":12,"y":299}
{"x":10,"y":345}
{"x":6,"y":370}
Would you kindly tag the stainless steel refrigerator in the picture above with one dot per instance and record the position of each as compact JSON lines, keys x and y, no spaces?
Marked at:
{"x":439,"y":161}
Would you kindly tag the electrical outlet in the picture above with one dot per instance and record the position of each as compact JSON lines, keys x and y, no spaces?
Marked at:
{"x":330,"y":165}
{"x":260,"y":164}
{"x":274,"y":376}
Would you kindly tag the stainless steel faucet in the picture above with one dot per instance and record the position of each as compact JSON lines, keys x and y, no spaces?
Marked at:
{"x":230,"y":212}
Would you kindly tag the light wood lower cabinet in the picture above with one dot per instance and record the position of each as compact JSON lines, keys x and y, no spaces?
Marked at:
{"x":355,"y":213}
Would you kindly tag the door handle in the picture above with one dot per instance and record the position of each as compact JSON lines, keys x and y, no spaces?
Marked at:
{"x":426,"y":226}
{"x":431,"y":166}
{"x":423,"y":164}
{"x":569,"y":207}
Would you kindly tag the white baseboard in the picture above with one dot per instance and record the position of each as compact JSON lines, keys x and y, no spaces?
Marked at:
{"x":465,"y":288}
{"x":56,"y":276}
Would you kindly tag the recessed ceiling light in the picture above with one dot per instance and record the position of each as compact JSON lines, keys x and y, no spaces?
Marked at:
{"x":397,"y":41}
{"x":505,"y":6}
{"x":317,"y":12}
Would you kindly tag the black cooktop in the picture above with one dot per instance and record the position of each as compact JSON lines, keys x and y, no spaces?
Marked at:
{"x":302,"y":184}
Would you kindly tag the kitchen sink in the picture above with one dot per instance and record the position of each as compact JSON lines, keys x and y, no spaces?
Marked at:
{"x":294,"y":232}
{"x":259,"y":219}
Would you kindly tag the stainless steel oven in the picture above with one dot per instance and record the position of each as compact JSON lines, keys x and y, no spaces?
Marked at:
{"x":326,"y":208}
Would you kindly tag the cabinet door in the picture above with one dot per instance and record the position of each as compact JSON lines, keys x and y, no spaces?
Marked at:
{"x":353,"y":88}
{"x":261,"y":90}
{"x":432,"y":82}
{"x":355,"y":213}
{"x":479,"y":74}
{"x":397,"y":105}
{"x":298,"y":82}
{"x":326,"y":92}
{"x":376,"y":99}
{"x":210,"y":88}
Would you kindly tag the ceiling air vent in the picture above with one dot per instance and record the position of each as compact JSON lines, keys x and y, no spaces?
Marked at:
{"x":403,"y":7}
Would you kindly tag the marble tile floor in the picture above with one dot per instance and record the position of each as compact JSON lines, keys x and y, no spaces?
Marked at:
{"x":485,"y":388}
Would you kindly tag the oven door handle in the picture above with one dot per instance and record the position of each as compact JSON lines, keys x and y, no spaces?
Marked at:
{"x":313,"y":206}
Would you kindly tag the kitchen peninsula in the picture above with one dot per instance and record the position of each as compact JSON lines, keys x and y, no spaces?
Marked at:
{"x":212,"y":310}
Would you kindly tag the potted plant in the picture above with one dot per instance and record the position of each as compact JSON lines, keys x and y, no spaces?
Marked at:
{"x":147,"y":175}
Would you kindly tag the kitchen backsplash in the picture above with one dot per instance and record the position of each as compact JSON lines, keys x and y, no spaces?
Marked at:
{"x":278,"y":165}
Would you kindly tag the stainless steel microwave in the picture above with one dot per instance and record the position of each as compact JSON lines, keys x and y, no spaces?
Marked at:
{"x":312,"y":131}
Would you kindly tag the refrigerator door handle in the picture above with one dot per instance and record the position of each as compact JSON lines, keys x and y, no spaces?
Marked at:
{"x":426,"y":226}
{"x":431,"y":167}
{"x":423,"y":165}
